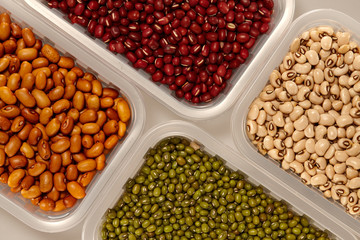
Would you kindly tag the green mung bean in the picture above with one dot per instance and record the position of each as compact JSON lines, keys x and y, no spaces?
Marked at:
{"x":182,"y":193}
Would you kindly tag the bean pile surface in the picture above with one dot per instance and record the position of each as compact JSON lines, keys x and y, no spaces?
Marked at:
{"x":308,"y":116}
{"x":57,"y":122}
{"x":191,"y":46}
{"x":181,"y":192}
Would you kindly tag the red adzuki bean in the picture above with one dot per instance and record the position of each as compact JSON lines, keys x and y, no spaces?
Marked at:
{"x":192,"y":46}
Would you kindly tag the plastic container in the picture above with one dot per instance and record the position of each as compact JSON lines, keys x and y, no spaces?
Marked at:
{"x":22,"y":208}
{"x":277,"y":189}
{"x":339,"y":21}
{"x":281,"y":19}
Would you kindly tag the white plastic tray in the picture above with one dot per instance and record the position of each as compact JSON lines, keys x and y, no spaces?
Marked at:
{"x":15,"y":203}
{"x":277,"y":188}
{"x":339,"y":21}
{"x":281,"y":19}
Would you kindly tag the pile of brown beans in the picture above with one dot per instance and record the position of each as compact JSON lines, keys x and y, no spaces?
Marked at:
{"x":192,"y":46}
{"x":57,"y":122}
{"x":308,"y":115}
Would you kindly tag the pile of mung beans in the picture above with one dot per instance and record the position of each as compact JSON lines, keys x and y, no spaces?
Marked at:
{"x":181,"y":192}
{"x":192,"y":46}
{"x":57,"y":122}
{"x":308,"y":116}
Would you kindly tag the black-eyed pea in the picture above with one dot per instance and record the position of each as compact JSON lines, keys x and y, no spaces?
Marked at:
{"x":302,"y":68}
{"x":344,"y":120}
{"x":321,"y":163}
{"x":351,"y":173}
{"x":289,"y":128}
{"x":349,"y":57}
{"x":310,"y":167}
{"x":288,"y":61}
{"x":300,"y":57}
{"x":344,"y":143}
{"x":305,"y":178}
{"x":291,"y":87}
{"x":353,"y":162}
{"x":341,"y":70}
{"x":302,"y":156}
{"x":271,"y":128}
{"x":341,"y":156}
{"x":295,"y":44}
{"x":301,"y":123}
{"x":330,"y":152}
{"x":253,"y":112}
{"x":356,"y":63}
{"x":268,"y":143}
{"x":286,"y":107}
{"x":289,"y":155}
{"x":341,"y":133}
{"x":269,"y":108}
{"x":285,"y":165}
{"x":354,"y":150}
{"x":352,"y":199}
{"x":251,"y":127}
{"x":327,"y":186}
{"x":296,"y":167}
{"x":299,"y":146}
{"x":288,"y":142}
{"x":279,"y":144}
{"x":329,"y":75}
{"x":281,"y":134}
{"x":318,"y":76}
{"x":278,"y":119}
{"x":357,"y":121}
{"x":275,"y":154}
{"x":261,"y":131}
{"x":284,"y":96}
{"x":356,"y":137}
{"x":310,"y":145}
{"x":274,"y":79}
{"x":338,"y":191}
{"x":296,"y":113}
{"x":262,"y":117}
{"x":339,"y":178}
{"x":309,"y":131}
{"x":298,"y":135}
{"x":343,"y":38}
{"x":268,"y":93}
{"x":326,"y":119}
{"x":321,"y":146}
{"x":318,"y":180}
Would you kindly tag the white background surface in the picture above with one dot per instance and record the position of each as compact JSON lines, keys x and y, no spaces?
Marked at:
{"x":11,"y":228}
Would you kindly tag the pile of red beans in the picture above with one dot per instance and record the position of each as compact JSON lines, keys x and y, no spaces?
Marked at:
{"x":192,"y":46}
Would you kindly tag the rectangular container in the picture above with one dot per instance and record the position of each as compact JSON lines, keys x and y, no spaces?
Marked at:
{"x":339,"y":21}
{"x":276,"y":188}
{"x":22,"y":208}
{"x":281,"y":19}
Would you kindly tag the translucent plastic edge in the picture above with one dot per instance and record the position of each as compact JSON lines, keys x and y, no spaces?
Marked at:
{"x":169,"y":101}
{"x":82,"y":55}
{"x":277,"y":188}
{"x":238,"y":118}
